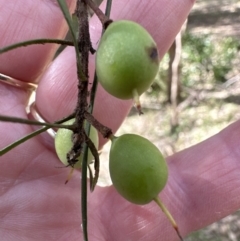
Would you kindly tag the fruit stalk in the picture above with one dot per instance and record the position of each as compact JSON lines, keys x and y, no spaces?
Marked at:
{"x":104,"y":130}
{"x":169,"y":216}
{"x":101,"y":16}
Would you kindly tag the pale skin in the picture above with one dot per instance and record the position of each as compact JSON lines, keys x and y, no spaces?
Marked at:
{"x":35,"y":204}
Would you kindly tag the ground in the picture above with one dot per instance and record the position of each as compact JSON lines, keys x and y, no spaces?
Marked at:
{"x":219,"y":17}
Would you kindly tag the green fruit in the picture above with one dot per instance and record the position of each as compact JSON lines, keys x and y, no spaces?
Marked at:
{"x":63,"y":144}
{"x":127,"y":60}
{"x":137,"y":168}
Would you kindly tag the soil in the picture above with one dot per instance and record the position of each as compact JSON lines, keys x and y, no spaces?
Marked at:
{"x":218,"y":17}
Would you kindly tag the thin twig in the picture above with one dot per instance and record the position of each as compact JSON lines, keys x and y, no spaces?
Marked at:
{"x":68,"y":18}
{"x":104,"y":130}
{"x":102,"y":17}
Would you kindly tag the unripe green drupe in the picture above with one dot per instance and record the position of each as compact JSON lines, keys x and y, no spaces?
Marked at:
{"x":63,"y":144}
{"x":127,"y":60}
{"x":137,"y":168}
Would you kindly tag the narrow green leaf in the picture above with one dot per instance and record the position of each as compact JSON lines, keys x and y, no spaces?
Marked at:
{"x":20,"y":141}
{"x":31,"y":135}
{"x":32,"y":122}
{"x":35,"y":41}
{"x":75,"y":25}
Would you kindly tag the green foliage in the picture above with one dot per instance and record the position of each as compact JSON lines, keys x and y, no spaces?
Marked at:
{"x":160,"y":84}
{"x":222,"y":64}
{"x":196,"y":58}
{"x":205,"y":60}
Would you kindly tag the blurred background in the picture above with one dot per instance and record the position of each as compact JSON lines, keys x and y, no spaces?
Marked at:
{"x":195,"y":94}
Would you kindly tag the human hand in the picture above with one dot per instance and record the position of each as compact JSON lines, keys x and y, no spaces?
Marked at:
{"x":34,"y":202}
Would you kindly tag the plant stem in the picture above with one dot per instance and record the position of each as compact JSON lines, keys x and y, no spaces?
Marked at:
{"x":93,"y":181}
{"x":95,"y":81}
{"x":68,"y":18}
{"x":104,"y":130}
{"x":102,"y":17}
{"x":108,"y":8}
{"x":84,"y":46}
{"x":84,"y":194}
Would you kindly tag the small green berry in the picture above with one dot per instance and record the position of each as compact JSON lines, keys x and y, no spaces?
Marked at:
{"x":127,"y":60}
{"x":139,"y":172}
{"x":63,"y":144}
{"x":137,"y":168}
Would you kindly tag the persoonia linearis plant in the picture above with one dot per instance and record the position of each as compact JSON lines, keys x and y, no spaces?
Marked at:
{"x":123,"y":79}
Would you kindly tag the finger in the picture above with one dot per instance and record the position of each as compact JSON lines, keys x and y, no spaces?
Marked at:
{"x":205,"y":179}
{"x":18,"y":22}
{"x":163,"y":19}
{"x":31,"y":20}
{"x":56,"y":95}
{"x":203,"y":187}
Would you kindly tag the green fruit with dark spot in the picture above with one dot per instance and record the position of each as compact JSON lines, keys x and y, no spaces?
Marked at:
{"x":137,"y":168}
{"x":127,"y":59}
{"x":63,"y":144}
